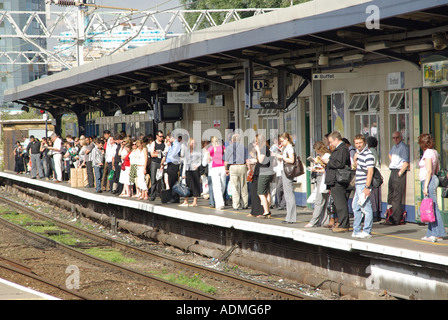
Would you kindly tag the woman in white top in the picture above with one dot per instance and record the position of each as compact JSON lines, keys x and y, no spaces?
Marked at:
{"x":141,"y":159}
{"x":287,"y":156}
{"x":320,"y":216}
{"x":429,"y":166}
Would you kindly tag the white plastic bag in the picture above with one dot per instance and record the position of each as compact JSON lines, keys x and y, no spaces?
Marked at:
{"x":312,"y":196}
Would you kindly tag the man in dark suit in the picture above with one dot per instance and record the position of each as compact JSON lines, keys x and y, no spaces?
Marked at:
{"x":339,"y":158}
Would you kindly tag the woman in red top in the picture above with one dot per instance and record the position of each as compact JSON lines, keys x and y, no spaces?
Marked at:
{"x":125,"y":170}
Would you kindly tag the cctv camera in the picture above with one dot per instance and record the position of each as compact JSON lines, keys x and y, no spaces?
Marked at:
{"x":193,"y":88}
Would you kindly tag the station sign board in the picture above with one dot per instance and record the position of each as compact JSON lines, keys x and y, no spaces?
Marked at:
{"x":334,"y":75}
{"x":186,"y":97}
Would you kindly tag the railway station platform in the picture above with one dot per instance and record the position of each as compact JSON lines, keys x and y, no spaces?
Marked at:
{"x":394,"y":260}
{"x":13,"y":291}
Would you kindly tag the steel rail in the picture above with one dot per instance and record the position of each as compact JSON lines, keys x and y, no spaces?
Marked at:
{"x":278,"y":292}
{"x":182,"y":290}
{"x":11,"y":266}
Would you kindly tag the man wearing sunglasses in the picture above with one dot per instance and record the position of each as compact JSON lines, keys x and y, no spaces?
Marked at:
{"x":399,"y":163}
{"x":156,"y":153}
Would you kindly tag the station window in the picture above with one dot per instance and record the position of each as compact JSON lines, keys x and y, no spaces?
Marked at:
{"x":399,"y":114}
{"x":269,"y":121}
{"x":366,"y":116}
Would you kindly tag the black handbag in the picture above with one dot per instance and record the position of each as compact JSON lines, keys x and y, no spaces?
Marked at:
{"x":377,"y":179}
{"x":345,"y":175}
{"x":331,"y":207}
{"x":443,"y":178}
{"x":445,"y":193}
{"x":166,"y":196}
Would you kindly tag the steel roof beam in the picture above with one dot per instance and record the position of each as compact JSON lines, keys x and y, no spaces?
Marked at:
{"x":413,"y":58}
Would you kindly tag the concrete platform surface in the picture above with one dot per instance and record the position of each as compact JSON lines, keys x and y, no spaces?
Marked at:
{"x":13,"y":291}
{"x":403,"y":241}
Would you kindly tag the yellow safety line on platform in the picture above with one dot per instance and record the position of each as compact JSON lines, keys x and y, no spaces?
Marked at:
{"x":416,"y":240}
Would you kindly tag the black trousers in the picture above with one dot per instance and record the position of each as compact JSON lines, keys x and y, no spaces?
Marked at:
{"x":340,"y":197}
{"x":154,"y":182}
{"x":173,"y":177}
{"x":90,"y":179}
{"x":397,"y":187}
{"x":193,"y":180}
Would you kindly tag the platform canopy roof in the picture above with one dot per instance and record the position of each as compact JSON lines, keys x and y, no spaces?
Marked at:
{"x":296,"y":39}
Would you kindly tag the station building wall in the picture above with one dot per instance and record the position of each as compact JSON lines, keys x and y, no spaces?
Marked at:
{"x":375,"y":79}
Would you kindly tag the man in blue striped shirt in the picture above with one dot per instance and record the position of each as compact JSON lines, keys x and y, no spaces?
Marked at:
{"x":365,"y":163}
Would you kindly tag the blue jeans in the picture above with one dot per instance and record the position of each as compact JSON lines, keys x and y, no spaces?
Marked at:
{"x":210,"y":191}
{"x":98,"y":176}
{"x":358,"y":211}
{"x":436,"y":228}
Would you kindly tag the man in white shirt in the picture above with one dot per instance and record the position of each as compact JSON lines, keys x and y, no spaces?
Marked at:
{"x":399,"y":163}
{"x":111,"y":150}
{"x":57,"y":157}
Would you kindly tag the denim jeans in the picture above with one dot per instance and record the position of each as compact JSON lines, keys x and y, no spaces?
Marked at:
{"x":358,"y":211}
{"x":211,"y":199}
{"x":436,"y":228}
{"x":98,"y":176}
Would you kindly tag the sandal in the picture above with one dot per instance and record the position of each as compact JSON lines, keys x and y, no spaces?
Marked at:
{"x":266,"y":215}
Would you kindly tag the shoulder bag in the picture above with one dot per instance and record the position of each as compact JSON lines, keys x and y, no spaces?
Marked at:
{"x":345,"y":175}
{"x":377,"y":179}
{"x":295,"y":169}
{"x":181,"y":189}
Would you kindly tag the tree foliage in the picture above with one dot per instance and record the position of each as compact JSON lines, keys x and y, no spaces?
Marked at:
{"x":237,"y":4}
{"x":231,"y":4}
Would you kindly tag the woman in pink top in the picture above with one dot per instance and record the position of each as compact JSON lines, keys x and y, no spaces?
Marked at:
{"x":217,"y":171}
{"x":429,"y":166}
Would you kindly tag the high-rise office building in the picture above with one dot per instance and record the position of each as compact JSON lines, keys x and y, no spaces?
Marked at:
{"x":15,"y":74}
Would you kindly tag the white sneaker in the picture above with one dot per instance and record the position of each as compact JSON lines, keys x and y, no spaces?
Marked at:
{"x":356,"y":235}
{"x":364,"y":235}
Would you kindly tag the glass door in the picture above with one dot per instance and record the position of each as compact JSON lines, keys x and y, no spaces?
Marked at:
{"x":440,"y":129}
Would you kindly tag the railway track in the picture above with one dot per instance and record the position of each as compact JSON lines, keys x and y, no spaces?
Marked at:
{"x":18,"y":268}
{"x":269,"y":292}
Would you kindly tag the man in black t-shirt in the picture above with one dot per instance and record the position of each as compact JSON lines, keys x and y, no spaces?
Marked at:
{"x":155,"y":152}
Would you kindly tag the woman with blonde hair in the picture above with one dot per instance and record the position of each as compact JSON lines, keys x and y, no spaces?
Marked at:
{"x":320,"y":216}
{"x":287,"y":156}
{"x":190,"y":172}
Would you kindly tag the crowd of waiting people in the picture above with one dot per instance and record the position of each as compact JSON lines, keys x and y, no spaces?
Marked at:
{"x":146,"y":167}
{"x":252,"y":177}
